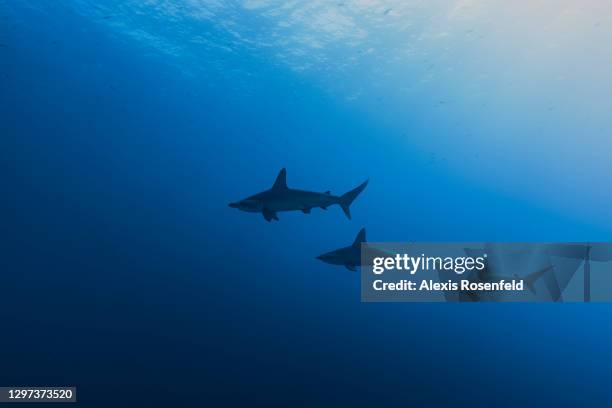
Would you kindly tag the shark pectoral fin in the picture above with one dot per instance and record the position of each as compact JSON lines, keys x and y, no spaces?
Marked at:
{"x":269,"y":215}
{"x":350,"y":267}
{"x":306,"y":210}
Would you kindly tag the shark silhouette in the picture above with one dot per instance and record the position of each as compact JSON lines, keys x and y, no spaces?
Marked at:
{"x":530,"y":279}
{"x":282,"y":198}
{"x":484,"y":276}
{"x":490,"y":272}
{"x":349,"y":257}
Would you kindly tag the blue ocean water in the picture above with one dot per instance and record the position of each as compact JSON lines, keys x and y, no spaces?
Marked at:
{"x":127,"y":128}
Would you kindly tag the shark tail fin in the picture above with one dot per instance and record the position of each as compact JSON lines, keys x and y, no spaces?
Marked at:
{"x":347,"y":199}
{"x":361,"y":237}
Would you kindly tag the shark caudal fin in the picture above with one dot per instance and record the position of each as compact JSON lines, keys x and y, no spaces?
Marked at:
{"x":347,"y":198}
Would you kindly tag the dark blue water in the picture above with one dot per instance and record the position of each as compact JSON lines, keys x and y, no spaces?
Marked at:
{"x":125,"y":274}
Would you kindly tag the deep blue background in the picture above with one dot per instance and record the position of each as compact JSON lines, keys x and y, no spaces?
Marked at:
{"x":125,"y":273}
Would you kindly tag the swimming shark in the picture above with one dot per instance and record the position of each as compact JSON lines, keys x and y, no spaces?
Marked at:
{"x":349,"y":257}
{"x":282,"y":198}
{"x":493,"y":273}
{"x":484,"y":276}
{"x":530,"y":279}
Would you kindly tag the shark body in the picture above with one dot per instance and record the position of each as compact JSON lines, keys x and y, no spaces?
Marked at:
{"x":484,"y":276}
{"x":350,"y":256}
{"x":282,"y":198}
{"x":529,"y":279}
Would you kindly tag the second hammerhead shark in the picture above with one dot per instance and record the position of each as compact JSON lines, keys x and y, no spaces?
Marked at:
{"x":351,"y":256}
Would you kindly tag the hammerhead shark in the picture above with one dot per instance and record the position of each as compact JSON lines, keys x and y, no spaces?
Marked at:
{"x":484,"y":276}
{"x":282,"y":198}
{"x":349,"y":257}
{"x":529,"y":279}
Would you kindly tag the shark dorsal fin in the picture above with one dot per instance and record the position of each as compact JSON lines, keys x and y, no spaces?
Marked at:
{"x":361,"y":237}
{"x":328,"y":192}
{"x":281,"y":180}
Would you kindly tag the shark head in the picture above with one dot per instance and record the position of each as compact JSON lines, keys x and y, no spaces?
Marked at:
{"x":334,"y":258}
{"x":248,"y":205}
